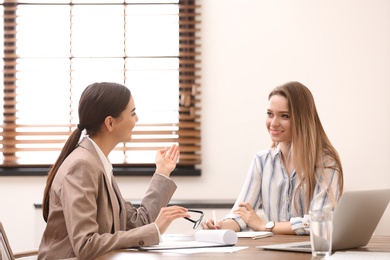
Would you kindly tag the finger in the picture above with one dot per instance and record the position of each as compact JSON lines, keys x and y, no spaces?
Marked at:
{"x":163,"y":151}
{"x":177,"y":209}
{"x":176,"y":156}
{"x":173,"y":152}
{"x":238,"y":213}
{"x":204,"y":224}
{"x":218,"y":225}
{"x":246,"y":205}
{"x":239,"y":210}
{"x":209,"y":224}
{"x":174,"y":210}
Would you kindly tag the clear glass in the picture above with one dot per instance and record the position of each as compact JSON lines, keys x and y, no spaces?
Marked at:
{"x":321,"y":229}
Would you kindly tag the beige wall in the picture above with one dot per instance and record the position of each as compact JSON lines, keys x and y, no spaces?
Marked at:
{"x":338,"y":48}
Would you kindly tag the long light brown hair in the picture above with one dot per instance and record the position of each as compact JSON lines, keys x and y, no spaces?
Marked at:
{"x":311,"y":148}
{"x":97,"y":101}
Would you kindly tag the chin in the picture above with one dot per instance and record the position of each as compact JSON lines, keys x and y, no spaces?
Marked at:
{"x":128,"y":139}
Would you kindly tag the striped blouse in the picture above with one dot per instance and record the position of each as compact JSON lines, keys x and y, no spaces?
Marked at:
{"x":270,"y":188}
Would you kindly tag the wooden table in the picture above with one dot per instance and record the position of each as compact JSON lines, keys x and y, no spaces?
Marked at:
{"x":376,"y":244}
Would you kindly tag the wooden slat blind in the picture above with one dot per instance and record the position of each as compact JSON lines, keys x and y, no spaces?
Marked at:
{"x":30,"y":140}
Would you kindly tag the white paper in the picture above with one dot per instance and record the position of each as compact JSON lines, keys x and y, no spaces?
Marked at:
{"x":177,"y":237}
{"x":355,"y":255}
{"x":202,"y":239}
{"x":181,"y":245}
{"x":220,"y":236}
{"x":224,"y":249}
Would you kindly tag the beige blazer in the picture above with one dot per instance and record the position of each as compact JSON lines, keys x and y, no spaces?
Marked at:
{"x":87,"y":218}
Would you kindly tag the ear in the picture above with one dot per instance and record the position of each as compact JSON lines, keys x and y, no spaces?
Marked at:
{"x":109,"y":123}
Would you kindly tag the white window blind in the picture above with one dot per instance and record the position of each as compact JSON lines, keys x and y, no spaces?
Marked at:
{"x":53,"y":49}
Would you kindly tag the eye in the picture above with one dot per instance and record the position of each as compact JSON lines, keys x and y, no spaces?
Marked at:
{"x":133,"y":113}
{"x":269,"y":114}
{"x":285,"y":116}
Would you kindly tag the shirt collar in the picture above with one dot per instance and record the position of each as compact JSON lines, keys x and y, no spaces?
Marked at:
{"x":277,"y":150}
{"x":106,"y":162}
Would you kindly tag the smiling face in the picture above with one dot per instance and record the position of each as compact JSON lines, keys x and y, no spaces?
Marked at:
{"x":125,"y":123}
{"x":278,"y":120}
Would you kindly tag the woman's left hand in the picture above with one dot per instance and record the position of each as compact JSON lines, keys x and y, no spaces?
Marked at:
{"x":246,"y":213}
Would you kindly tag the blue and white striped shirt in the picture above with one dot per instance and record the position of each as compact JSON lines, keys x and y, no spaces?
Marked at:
{"x":268,"y":186}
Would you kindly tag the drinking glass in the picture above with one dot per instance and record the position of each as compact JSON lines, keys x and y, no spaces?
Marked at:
{"x":321,"y":230}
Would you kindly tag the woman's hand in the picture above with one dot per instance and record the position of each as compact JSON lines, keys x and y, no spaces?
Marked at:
{"x":246,"y":213}
{"x":169,"y":214}
{"x":166,"y":160}
{"x":209,"y":224}
{"x":221,"y":224}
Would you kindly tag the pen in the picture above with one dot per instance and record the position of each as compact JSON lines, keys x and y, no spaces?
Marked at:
{"x":214,"y":218}
{"x":266,"y":234}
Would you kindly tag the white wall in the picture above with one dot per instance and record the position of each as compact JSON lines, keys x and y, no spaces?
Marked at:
{"x":340,"y":49}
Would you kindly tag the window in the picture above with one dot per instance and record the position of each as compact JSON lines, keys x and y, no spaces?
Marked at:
{"x":54,"y":49}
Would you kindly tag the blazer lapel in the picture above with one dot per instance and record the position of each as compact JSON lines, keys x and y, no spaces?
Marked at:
{"x":114,"y":203}
{"x":121,"y":203}
{"x":113,"y":190}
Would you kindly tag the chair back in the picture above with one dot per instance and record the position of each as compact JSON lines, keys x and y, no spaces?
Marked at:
{"x":5,"y":248}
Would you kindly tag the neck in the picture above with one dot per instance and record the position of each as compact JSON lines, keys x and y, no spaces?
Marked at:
{"x":104,"y":144}
{"x":285,"y":148}
{"x":287,"y":156}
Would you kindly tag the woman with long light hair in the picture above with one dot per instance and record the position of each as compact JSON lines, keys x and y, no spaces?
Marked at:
{"x":301,"y":171}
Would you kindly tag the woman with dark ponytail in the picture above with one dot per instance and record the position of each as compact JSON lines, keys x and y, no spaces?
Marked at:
{"x":85,"y":213}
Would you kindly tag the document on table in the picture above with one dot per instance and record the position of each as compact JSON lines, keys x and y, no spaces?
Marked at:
{"x":220,"y":249}
{"x":341,"y":255}
{"x":201,"y":239}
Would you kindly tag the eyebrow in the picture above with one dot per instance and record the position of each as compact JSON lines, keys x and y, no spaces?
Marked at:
{"x":133,"y":109}
{"x":280,"y":112}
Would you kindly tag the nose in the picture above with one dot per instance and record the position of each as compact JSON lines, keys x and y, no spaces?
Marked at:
{"x":275,"y":121}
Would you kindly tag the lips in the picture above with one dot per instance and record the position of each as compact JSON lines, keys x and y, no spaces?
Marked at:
{"x":275,"y":132}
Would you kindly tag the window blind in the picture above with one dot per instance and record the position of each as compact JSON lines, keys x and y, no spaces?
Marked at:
{"x":53,"y":49}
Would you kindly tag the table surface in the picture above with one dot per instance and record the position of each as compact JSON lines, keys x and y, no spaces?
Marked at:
{"x":376,"y":244}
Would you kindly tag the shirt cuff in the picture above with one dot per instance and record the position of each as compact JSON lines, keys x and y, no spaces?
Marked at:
{"x":162,"y":175}
{"x":158,"y":231}
{"x":301,"y":226}
{"x":241,"y":223}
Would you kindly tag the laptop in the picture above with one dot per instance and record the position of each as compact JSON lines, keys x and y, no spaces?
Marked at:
{"x":355,"y":218}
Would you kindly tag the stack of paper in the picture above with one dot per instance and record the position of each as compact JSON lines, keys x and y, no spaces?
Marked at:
{"x":202,"y":238}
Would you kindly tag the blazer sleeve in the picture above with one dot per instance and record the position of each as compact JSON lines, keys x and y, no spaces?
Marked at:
{"x":158,"y":195}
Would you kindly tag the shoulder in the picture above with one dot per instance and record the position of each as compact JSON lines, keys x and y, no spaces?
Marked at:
{"x":264,"y":157}
{"x":329,"y":162}
{"x":84,"y":163}
{"x":83,"y":157}
{"x":266,"y":154}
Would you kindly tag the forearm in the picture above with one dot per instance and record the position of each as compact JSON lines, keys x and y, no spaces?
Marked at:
{"x":283,"y":228}
{"x":158,"y":195}
{"x":230,"y":224}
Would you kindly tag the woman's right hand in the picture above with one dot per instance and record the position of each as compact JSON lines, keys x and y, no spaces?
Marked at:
{"x":169,"y":214}
{"x":221,"y":224}
{"x":166,"y":160}
{"x":209,"y":224}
